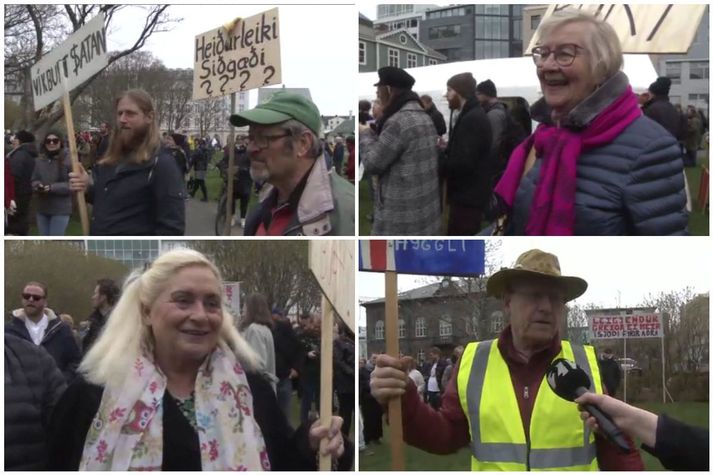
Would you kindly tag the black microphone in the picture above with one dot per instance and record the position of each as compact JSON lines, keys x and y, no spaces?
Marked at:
{"x":569,"y":382}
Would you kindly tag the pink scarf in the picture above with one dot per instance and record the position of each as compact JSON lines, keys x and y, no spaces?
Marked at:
{"x":552,"y":210}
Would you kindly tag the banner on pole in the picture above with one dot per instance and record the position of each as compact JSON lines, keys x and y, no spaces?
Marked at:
{"x":332,"y":263}
{"x":427,"y":257}
{"x":246,"y":57}
{"x":659,"y":28}
{"x":643,"y":325}
{"x":231,"y":290}
{"x":78,"y":58}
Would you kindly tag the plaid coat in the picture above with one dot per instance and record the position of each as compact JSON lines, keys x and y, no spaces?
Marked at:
{"x":404,"y":157}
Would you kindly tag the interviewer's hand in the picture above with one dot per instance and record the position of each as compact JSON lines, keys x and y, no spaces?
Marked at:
{"x":79,"y":181}
{"x":632,"y":420}
{"x":333,"y":434}
{"x":388,"y":380}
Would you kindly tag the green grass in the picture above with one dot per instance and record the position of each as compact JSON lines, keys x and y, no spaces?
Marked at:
{"x":378,"y":457}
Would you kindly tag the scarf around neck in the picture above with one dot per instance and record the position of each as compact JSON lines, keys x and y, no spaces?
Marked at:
{"x":127,"y":431}
{"x":553,"y":205}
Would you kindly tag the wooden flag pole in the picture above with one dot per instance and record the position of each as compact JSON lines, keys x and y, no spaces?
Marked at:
{"x":392,"y":349}
{"x":231,"y":164}
{"x":325,"y":388}
{"x":81,"y":201}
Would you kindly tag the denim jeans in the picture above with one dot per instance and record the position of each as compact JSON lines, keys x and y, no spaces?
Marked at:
{"x":52,"y":224}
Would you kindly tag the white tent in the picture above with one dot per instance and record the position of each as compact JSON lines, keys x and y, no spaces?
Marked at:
{"x":513,"y":77}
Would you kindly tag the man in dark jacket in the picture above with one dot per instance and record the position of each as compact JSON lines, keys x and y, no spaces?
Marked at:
{"x":660,"y":109}
{"x":288,"y":356}
{"x":611,"y":371}
{"x":433,"y":372}
{"x":468,"y":165}
{"x":22,"y":164}
{"x":343,"y":357}
{"x":438,"y":121}
{"x":137,"y":188}
{"x":38,"y":324}
{"x":106,"y":294}
{"x":33,"y":385}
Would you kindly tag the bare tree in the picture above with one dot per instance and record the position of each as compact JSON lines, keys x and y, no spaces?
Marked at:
{"x":33,"y":30}
{"x":210,"y":114}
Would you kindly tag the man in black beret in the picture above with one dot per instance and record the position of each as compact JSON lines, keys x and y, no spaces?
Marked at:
{"x":402,"y":154}
{"x":467,"y":168}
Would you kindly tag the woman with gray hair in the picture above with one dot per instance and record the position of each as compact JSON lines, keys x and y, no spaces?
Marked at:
{"x":171,"y":385}
{"x":595,"y":165}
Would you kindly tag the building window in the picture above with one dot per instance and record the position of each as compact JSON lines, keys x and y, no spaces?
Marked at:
{"x":403,"y":39}
{"x":445,"y":327}
{"x":411,"y":60}
{"x":362,"y":52}
{"x":497,"y":322}
{"x":698,"y":100}
{"x":379,"y":330}
{"x":421,"y":356}
{"x":673,"y":71}
{"x":402,"y":328}
{"x":431,"y":62}
{"x":468,"y":326}
{"x":420,"y":327}
{"x":535,"y":21}
{"x":698,"y":70}
{"x":393,"y":57}
{"x":446,"y":31}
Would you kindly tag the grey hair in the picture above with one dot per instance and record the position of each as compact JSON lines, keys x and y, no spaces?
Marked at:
{"x":126,"y":334}
{"x":606,"y":57}
{"x":297,"y":128}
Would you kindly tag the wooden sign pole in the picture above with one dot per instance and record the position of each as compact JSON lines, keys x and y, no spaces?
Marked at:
{"x":325,"y":388}
{"x":392,"y":349}
{"x":81,"y":201}
{"x":231,"y":167}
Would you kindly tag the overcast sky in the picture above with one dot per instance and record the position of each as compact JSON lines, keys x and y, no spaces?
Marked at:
{"x":636,"y":267}
{"x":318,"y":46}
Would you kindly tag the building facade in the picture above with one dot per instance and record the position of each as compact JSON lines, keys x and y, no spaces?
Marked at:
{"x":394,"y":48}
{"x":471,"y":32}
{"x":392,"y":17}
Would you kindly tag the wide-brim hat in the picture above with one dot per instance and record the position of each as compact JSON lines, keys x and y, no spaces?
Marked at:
{"x":280,"y":107}
{"x":536,"y":263}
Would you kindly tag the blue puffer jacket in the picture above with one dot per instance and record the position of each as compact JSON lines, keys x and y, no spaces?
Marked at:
{"x":631,"y":186}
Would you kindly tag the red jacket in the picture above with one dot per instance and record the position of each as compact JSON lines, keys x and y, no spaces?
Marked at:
{"x":446,"y":431}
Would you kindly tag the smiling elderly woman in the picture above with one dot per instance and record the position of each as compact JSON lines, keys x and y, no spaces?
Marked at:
{"x":595,"y":165}
{"x":170,"y":385}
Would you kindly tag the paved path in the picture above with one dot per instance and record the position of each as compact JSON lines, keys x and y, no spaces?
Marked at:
{"x":200,"y":218}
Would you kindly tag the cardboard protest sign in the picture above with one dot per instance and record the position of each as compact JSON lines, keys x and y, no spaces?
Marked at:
{"x":78,"y":58}
{"x":605,"y":327}
{"x":660,"y":28}
{"x":246,"y":57}
{"x":231,"y":290}
{"x":332,"y":263}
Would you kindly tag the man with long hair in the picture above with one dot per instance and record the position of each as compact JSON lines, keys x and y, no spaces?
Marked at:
{"x":136,"y":188}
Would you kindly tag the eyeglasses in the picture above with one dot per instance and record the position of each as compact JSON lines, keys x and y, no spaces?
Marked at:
{"x":52,"y":141}
{"x":563,"y":54}
{"x":263,"y":141}
{"x":33,"y":297}
{"x":556,"y":299}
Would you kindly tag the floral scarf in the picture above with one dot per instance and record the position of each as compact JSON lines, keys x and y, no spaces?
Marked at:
{"x":552,"y":208}
{"x":127,"y":431}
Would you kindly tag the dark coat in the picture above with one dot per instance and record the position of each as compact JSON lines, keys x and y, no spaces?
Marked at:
{"x":611,"y":374}
{"x":631,"y":186}
{"x":343,"y":357}
{"x":680,"y":446}
{"x":288,"y":449}
{"x":33,"y":385}
{"x":468,"y":166}
{"x":662,"y":111}
{"x":288,"y":350}
{"x":22,"y":164}
{"x":146,"y":199}
{"x":58,"y":340}
{"x":96,"y":323}
{"x":438,"y":121}
{"x":441,"y":366}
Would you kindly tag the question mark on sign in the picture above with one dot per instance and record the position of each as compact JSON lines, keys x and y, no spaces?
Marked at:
{"x":208,"y":88}
{"x":223,"y":78}
{"x":272,"y":73}
{"x":247,"y":76}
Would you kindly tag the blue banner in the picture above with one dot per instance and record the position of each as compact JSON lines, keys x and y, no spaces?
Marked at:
{"x":427,"y":257}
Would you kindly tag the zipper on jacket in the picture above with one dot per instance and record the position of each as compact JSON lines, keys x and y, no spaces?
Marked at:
{"x":526,"y":393}
{"x":526,"y":396}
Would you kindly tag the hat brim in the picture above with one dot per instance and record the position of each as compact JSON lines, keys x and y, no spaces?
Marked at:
{"x":258,"y":116}
{"x":497,"y":283}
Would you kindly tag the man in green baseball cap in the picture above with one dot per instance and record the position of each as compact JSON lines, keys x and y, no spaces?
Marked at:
{"x":302,"y":197}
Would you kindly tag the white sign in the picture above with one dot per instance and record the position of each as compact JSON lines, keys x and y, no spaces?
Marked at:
{"x":332,"y":263}
{"x":246,"y":57}
{"x":660,"y":28}
{"x":231,"y":290}
{"x":78,"y":58}
{"x":644,"y":325}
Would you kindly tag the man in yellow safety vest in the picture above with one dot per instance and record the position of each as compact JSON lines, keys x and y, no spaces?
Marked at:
{"x":498,"y":402}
